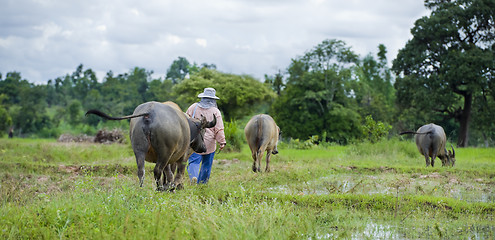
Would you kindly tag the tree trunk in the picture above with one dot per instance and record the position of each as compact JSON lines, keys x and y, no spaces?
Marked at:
{"x":463,"y":139}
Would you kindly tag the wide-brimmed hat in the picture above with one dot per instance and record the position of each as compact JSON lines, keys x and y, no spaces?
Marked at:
{"x":208,"y":93}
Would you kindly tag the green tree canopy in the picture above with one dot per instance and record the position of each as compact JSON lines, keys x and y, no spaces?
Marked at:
{"x":316,"y":98}
{"x":238,"y":93}
{"x":373,"y":87}
{"x":276,"y":82}
{"x":448,"y":63}
{"x":11,"y":87}
{"x":178,"y":70}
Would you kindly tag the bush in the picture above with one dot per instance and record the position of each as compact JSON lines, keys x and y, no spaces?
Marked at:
{"x":5,"y":121}
{"x":48,"y":133}
{"x":234,"y":136}
{"x":375,"y":131}
{"x":297,"y":144}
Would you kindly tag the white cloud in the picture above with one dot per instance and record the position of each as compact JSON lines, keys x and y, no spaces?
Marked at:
{"x":201,"y":42}
{"x":50,"y":38}
{"x":174,"y":39}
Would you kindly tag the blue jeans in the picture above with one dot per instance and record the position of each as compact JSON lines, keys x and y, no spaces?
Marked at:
{"x":193,"y":168}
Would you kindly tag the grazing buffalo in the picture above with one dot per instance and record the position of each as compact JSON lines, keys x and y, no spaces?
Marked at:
{"x":430,"y":140}
{"x":262,"y":135}
{"x":161,"y":133}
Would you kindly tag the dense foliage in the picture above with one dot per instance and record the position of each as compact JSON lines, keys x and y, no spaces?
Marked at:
{"x":329,"y":91}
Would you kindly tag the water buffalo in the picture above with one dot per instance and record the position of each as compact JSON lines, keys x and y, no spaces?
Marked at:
{"x":262,"y":134}
{"x":161,"y":133}
{"x":430,"y":140}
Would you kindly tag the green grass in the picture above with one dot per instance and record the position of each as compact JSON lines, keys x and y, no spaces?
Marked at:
{"x":364,"y":191}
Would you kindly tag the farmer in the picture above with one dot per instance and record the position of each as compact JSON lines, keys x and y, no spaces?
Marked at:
{"x":199,"y":167}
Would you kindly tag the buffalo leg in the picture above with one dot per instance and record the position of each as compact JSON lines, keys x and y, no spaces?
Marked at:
{"x":254,"y":155}
{"x":140,"y":156}
{"x":163,"y":158}
{"x":259,"y":158}
{"x":427,"y":160}
{"x":268,"y":157}
{"x":181,"y":169}
{"x":256,"y":160}
{"x":168,"y":177}
{"x":433,"y":157}
{"x":433,"y":160}
{"x":157,"y":172}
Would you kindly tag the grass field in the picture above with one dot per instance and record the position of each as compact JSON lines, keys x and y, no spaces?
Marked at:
{"x":54,"y":190}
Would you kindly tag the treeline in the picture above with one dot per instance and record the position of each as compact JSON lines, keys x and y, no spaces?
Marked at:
{"x":47,"y":110}
{"x":444,"y":75}
{"x":328,"y":94}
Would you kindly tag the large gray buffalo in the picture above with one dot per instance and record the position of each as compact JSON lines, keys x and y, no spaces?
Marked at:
{"x":262,"y":135}
{"x":161,"y":133}
{"x":431,"y":140}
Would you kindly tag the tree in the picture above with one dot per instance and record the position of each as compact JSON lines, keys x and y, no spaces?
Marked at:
{"x":238,"y":93}
{"x":160,"y":90}
{"x":178,"y":70}
{"x":373,"y":87}
{"x":31,"y":117}
{"x":12,"y":86}
{"x":483,"y":115}
{"x":5,"y":120}
{"x":74,"y":112}
{"x":276,"y":82}
{"x":448,"y":62}
{"x":316,"y":98}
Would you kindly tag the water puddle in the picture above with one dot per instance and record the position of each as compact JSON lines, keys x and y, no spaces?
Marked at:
{"x":377,"y":231}
{"x":392,"y":185}
{"x":374,"y":230}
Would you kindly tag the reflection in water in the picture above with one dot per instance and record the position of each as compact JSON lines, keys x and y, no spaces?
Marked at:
{"x":377,"y":231}
{"x":374,"y":230}
{"x":369,"y":184}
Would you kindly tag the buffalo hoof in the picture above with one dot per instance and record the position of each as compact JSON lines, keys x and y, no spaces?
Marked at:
{"x":274,"y":152}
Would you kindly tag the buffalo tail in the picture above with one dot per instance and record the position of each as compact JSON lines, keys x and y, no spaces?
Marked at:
{"x":104,"y":115}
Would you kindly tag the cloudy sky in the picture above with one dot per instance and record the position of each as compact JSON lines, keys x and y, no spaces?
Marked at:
{"x":46,"y":39}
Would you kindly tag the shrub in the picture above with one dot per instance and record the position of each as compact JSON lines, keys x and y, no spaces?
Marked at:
{"x":297,"y":144}
{"x":375,"y":131}
{"x":234,"y":136}
{"x":5,"y":121}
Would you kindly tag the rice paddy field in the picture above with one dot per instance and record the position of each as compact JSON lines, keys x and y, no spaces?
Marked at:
{"x":51,"y":190}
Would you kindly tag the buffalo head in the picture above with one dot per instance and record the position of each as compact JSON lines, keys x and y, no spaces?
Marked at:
{"x":451,"y":155}
{"x":197,"y":128}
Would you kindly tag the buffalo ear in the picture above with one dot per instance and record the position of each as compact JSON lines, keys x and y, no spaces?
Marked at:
{"x":212,"y":123}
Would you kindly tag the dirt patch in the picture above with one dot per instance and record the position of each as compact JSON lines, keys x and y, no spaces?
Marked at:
{"x":43,"y":179}
{"x":348,"y":167}
{"x":431,"y":175}
{"x":78,"y":138}
{"x":103,"y":136}
{"x":109,"y":136}
{"x":453,"y":180}
{"x":227,"y":161}
{"x":69,"y":169}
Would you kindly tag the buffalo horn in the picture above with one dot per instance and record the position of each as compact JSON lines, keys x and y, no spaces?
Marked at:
{"x":212,"y":123}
